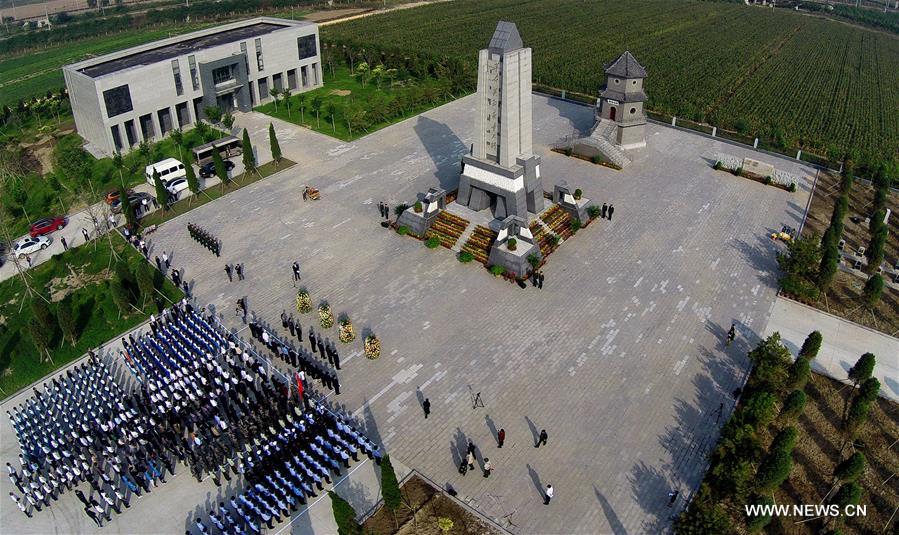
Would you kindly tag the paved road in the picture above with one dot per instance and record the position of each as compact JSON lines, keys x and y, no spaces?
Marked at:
{"x":620,"y":357}
{"x":844,"y":342}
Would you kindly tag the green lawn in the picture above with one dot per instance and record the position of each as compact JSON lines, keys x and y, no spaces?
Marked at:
{"x":358,"y":109}
{"x":68,"y":189}
{"x":208,"y":195}
{"x":86,"y":272}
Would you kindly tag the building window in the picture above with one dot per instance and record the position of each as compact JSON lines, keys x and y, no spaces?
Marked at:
{"x":118,"y":100}
{"x":292,"y":78}
{"x":130,"y":134}
{"x":222,"y":75}
{"x":146,"y":127}
{"x":246,"y":62}
{"x":176,"y":71}
{"x":634,"y":82}
{"x":116,"y":137}
{"x":633,"y":111}
{"x":263,"y":88}
{"x":194,"y":75}
{"x":617,"y":81}
{"x":259,"y":64}
{"x":315,"y":74}
{"x":277,"y":81}
{"x":304,"y":72}
{"x":306,"y":46}
{"x":183,"y":114}
{"x":250,"y":85}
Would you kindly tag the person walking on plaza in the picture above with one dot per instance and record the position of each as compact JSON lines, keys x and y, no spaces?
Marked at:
{"x":471,"y":460}
{"x":239,"y":269}
{"x":87,"y":237}
{"x":158,"y":263}
{"x":500,"y":438}
{"x":731,"y":333}
{"x":548,"y":494}
{"x":542,"y":438}
{"x":426,"y":405}
{"x":296,"y":273}
{"x":605,"y":210}
{"x":65,"y":245}
{"x":488,"y":467}
{"x":228,"y":271}
{"x":611,"y":209}
{"x":165,"y":260}
{"x":463,"y":467}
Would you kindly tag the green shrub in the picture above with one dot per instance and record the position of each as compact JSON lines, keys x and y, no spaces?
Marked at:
{"x":850,"y":469}
{"x":755,"y":524}
{"x":578,"y":194}
{"x":793,"y":405}
{"x":792,"y":187}
{"x":534,"y":260}
{"x":768,"y":180}
{"x":873,"y":289}
{"x":555,"y":239}
{"x":497,"y":270}
{"x":594,"y":212}
{"x":568,"y":151}
{"x":575,"y":226}
{"x":433,"y":242}
{"x":465,"y":257}
{"x":812,"y":345}
{"x":512,"y":244}
{"x":759,"y":410}
{"x":800,"y":371}
{"x":597,"y":159}
{"x":418,"y":207}
{"x":400,"y":208}
{"x":402,"y":230}
{"x":717,"y":166}
{"x":738,"y":171}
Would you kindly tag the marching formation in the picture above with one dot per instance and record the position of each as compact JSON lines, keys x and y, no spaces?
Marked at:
{"x":204,"y":238}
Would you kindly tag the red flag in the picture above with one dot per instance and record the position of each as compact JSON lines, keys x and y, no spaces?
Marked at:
{"x":299,"y":386}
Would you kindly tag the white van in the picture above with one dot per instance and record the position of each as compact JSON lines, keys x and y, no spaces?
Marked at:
{"x":168,"y":169}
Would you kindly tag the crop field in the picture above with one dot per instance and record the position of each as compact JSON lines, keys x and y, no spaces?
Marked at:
{"x":813,"y":83}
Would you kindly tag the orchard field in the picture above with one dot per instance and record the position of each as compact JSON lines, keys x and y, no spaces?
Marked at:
{"x":806,"y":82}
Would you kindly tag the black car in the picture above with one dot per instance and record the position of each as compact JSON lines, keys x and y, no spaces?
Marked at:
{"x":208,"y":169}
{"x":135,"y":198}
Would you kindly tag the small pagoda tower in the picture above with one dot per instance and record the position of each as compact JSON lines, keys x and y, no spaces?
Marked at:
{"x":621,"y":102}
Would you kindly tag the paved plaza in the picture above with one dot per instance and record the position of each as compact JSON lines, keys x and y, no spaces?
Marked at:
{"x":620,"y":357}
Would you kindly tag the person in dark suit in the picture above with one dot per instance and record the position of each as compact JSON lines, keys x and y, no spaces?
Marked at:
{"x":611,"y":209}
{"x":426,"y":405}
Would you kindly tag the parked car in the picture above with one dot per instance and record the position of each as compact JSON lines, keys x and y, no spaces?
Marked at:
{"x":176,"y":186}
{"x":168,"y":169}
{"x":113,"y":195}
{"x":47,"y":225}
{"x":136,"y":198}
{"x":29,"y":245}
{"x":208,"y":169}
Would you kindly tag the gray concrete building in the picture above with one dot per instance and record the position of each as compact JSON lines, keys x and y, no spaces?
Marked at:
{"x":502,"y":173}
{"x":621,"y":101}
{"x":144,"y":92}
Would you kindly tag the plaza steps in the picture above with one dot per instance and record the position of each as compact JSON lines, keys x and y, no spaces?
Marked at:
{"x":543,"y":236}
{"x":479,"y":243}
{"x":558,"y":221}
{"x":463,"y":239}
{"x":602,"y":139}
{"x":447,"y":228}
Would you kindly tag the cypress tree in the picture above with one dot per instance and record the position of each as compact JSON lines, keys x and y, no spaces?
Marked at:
{"x":41,"y":339}
{"x":145,"y":284}
{"x":344,"y":515}
{"x":162,"y":194}
{"x":219,"y":163}
{"x":249,"y":159}
{"x":793,"y":405}
{"x":850,"y":469}
{"x":862,"y":369}
{"x":192,"y":183}
{"x":799,"y":374}
{"x":67,"y":320}
{"x":119,"y":295}
{"x":390,"y":487}
{"x":273,"y":140}
{"x":873,"y":289}
{"x":127,"y":209}
{"x":812,"y":345}
{"x":42,"y":313}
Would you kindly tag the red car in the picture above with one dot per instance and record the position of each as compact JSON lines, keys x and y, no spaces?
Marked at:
{"x":47,"y":225}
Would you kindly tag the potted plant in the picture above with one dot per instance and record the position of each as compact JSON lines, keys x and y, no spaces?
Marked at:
{"x":418,"y":207}
{"x":433,"y":242}
{"x":346,"y":333}
{"x":593,"y":212}
{"x":304,"y":302}
{"x":325,"y":316}
{"x":372,"y":347}
{"x":578,"y":194}
{"x":402,"y":230}
{"x":512,"y":244}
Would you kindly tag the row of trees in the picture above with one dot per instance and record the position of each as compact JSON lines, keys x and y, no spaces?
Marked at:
{"x":742,"y":471}
{"x":344,"y":514}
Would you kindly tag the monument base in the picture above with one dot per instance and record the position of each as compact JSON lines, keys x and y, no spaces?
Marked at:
{"x":513,"y":191}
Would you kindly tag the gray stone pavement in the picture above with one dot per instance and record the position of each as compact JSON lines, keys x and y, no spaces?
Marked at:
{"x":844,"y":342}
{"x":620,"y":357}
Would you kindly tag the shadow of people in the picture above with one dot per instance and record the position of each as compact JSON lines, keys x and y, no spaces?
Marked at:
{"x":445,"y":149}
{"x":420,"y":396}
{"x":535,"y":479}
{"x":533,"y":429}
{"x":611,"y":516}
{"x":491,"y":426}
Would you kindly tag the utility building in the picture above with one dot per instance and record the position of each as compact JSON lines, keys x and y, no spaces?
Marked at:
{"x":144,"y":92}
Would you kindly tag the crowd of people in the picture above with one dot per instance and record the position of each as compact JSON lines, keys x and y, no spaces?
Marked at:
{"x":204,"y":238}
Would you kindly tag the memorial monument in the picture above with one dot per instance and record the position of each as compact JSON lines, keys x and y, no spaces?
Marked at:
{"x":502,"y":173}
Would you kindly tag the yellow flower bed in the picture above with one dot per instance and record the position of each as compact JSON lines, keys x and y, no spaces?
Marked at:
{"x":372,"y":347}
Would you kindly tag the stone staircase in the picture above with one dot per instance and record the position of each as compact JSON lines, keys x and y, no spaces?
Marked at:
{"x":558,"y":221}
{"x":448,"y":228}
{"x":543,"y":235}
{"x":463,"y":238}
{"x":602,"y":138}
{"x":479,"y":243}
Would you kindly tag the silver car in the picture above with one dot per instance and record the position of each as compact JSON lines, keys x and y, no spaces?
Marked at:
{"x":30,"y":245}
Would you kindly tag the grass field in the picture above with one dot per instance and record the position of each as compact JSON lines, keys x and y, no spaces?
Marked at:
{"x":80,"y":275}
{"x":346,"y":93}
{"x":812,"y":82}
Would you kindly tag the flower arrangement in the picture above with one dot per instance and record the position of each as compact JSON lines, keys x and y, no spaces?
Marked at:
{"x":346,"y":333}
{"x":304,"y":302}
{"x":372,"y":347}
{"x":325,"y":316}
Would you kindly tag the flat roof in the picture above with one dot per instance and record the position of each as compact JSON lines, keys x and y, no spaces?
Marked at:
{"x":184,"y":46}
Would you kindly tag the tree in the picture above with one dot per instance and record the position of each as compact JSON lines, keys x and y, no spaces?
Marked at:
{"x":178,"y":137}
{"x":228,"y":121}
{"x":771,"y":361}
{"x":850,"y":469}
{"x":800,"y":371}
{"x":757,"y":523}
{"x":331,"y":112}
{"x":873,"y":290}
{"x":301,"y":103}
{"x":41,"y":312}
{"x":213,"y":113}
{"x":119,"y":295}
{"x":849,"y":494}
{"x":41,"y":339}
{"x":390,"y":487}
{"x":362,"y":70}
{"x":856,"y":415}
{"x":249,"y":159}
{"x":830,"y":264}
{"x":344,"y":515}
{"x":162,"y":194}
{"x":119,"y":163}
{"x":760,"y":409}
{"x":811,"y":345}
{"x":390,"y":74}
{"x":863,"y":369}
{"x":316,"y":107}
{"x":286,"y":94}
{"x":127,"y":209}
{"x":793,"y":405}
{"x":220,"y":170}
{"x":192,"y":183}
{"x":876,"y":247}
{"x":775,"y":467}
{"x":275,"y":93}
{"x":800,"y":266}
{"x":67,"y":322}
{"x":144,"y":275}
{"x":704,"y":516}
{"x":273,"y":141}
{"x":869,"y":390}
{"x":378,"y":73}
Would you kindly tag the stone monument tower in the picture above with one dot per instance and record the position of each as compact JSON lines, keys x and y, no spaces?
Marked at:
{"x":502,"y":173}
{"x":621,"y":102}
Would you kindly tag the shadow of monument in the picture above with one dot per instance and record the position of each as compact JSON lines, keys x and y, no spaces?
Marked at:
{"x":580,"y":120}
{"x":611,"y":516}
{"x":445,"y":149}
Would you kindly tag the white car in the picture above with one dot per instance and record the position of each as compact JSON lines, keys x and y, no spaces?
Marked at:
{"x":176,"y":186}
{"x":30,"y":245}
